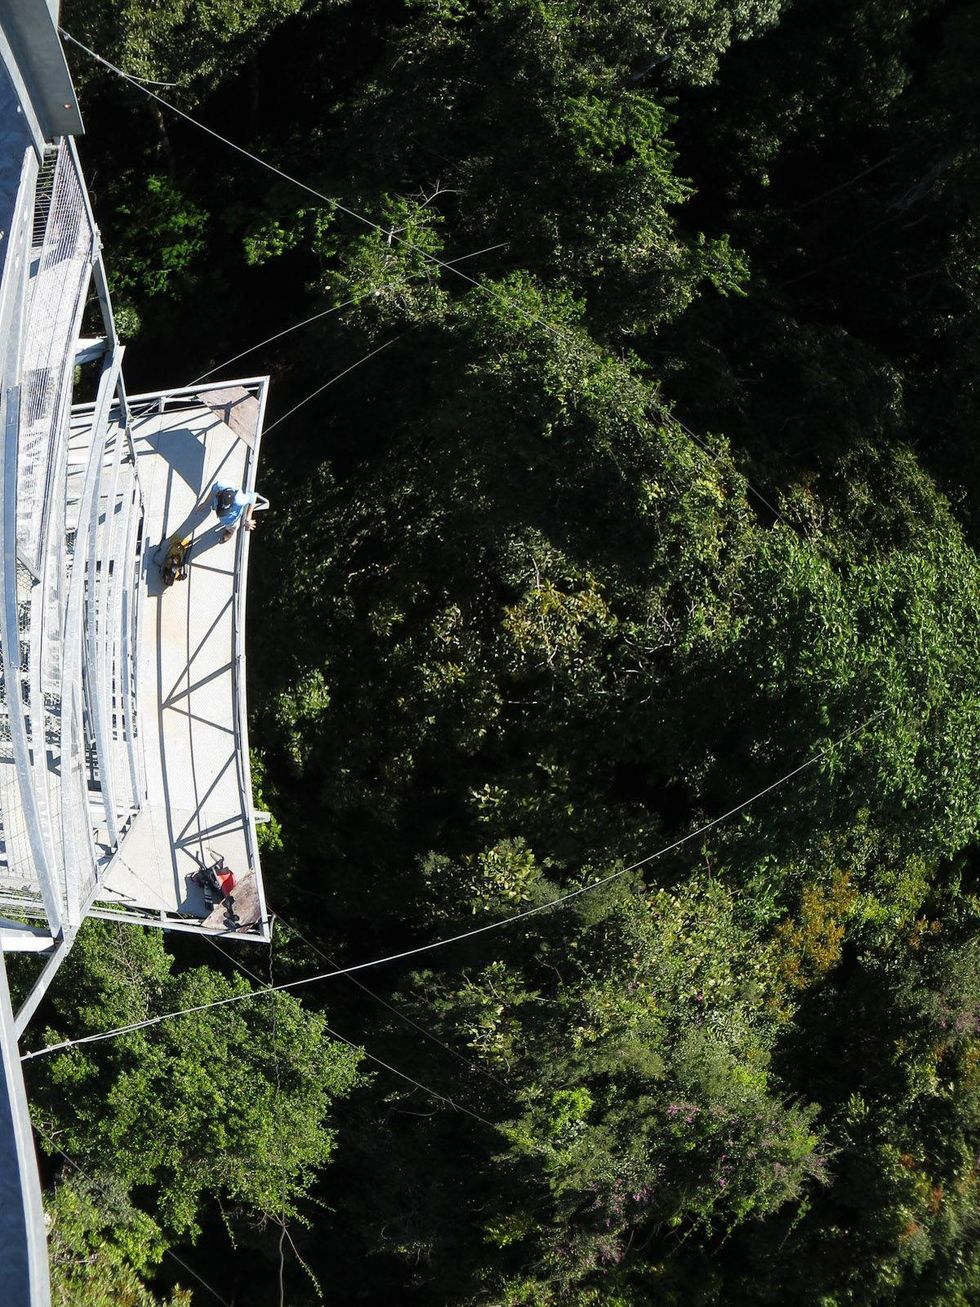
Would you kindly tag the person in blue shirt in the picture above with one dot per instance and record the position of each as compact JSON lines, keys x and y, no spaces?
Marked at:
{"x":232,"y":506}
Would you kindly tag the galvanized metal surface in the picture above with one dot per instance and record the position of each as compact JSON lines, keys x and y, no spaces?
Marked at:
{"x":23,"y":1243}
{"x":31,"y":50}
{"x":26,"y":867}
{"x":61,"y":264}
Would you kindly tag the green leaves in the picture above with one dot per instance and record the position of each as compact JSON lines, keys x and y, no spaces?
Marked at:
{"x":166,"y":240}
{"x":539,"y":631}
{"x":100,"y":1246}
{"x":190,"y":43}
{"x":501,"y":879}
{"x":393,"y":264}
{"x":229,"y":1104}
{"x":891,"y":637}
{"x":640,"y":1057}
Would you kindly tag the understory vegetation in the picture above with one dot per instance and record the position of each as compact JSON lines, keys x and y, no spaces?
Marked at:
{"x":652,"y":476}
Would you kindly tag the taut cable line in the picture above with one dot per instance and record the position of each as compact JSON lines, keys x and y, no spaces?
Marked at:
{"x":433,"y":1093}
{"x":320,"y":389}
{"x":332,"y":201}
{"x":325,"y":313}
{"x":714,"y":458}
{"x":359,"y":1048}
{"x":396,"y":1011}
{"x":466,"y":934}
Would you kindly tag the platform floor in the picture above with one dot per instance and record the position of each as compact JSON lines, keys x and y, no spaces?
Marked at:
{"x":197,"y":807}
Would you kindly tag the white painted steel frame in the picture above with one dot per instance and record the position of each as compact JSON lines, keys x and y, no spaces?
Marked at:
{"x":132,"y":612}
{"x":97,"y":578}
{"x":239,"y":667}
{"x":71,"y":688}
{"x":15,"y":290}
{"x":22,"y":1233}
{"x":15,"y":257}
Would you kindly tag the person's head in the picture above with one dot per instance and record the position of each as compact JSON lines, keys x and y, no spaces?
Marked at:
{"x":225,"y":499}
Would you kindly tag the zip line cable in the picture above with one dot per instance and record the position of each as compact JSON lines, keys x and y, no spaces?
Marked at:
{"x":449,"y":266}
{"x":306,"y":321}
{"x":466,"y":934}
{"x":390,"y":233}
{"x":443,"y":1098}
{"x":268,"y":985}
{"x":334,"y":308}
{"x":167,"y":1252}
{"x":433,"y":1093}
{"x":842,"y":186}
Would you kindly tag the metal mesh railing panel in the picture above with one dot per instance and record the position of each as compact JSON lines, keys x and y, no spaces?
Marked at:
{"x":98,"y":579}
{"x":48,"y":734}
{"x":61,"y":261}
{"x":20,"y":884}
{"x":43,"y":191}
{"x":19,"y":872}
{"x":120,"y":661}
{"x":75,"y":793}
{"x":71,"y":785}
{"x":102,"y":545}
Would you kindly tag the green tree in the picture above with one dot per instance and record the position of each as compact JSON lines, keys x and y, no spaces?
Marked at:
{"x":229,"y":1105}
{"x":190,"y":43}
{"x":100,"y":1247}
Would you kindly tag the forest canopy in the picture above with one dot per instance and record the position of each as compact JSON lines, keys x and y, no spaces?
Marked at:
{"x":646,"y":477}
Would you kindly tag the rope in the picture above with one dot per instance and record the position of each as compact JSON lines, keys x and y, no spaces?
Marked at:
{"x":335,"y":308}
{"x":443,"y":1098}
{"x":707,"y":449}
{"x":463,"y":935}
{"x":402,"y":1016}
{"x":448,"y":265}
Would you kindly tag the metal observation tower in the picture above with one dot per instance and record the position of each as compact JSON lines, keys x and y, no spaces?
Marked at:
{"x":123,"y":747}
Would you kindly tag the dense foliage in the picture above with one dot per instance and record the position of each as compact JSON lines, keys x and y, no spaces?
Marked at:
{"x":668,"y":489}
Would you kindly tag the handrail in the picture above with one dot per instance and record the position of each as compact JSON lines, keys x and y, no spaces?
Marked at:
{"x":126,"y":674}
{"x":238,"y":654}
{"x":12,"y":290}
{"x":101,"y":547}
{"x":71,"y":689}
{"x":149,"y":401}
{"x":240,"y":719}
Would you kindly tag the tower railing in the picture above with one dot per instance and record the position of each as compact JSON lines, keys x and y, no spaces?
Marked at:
{"x":61,"y":262}
{"x":71,"y":520}
{"x":26,"y":873}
